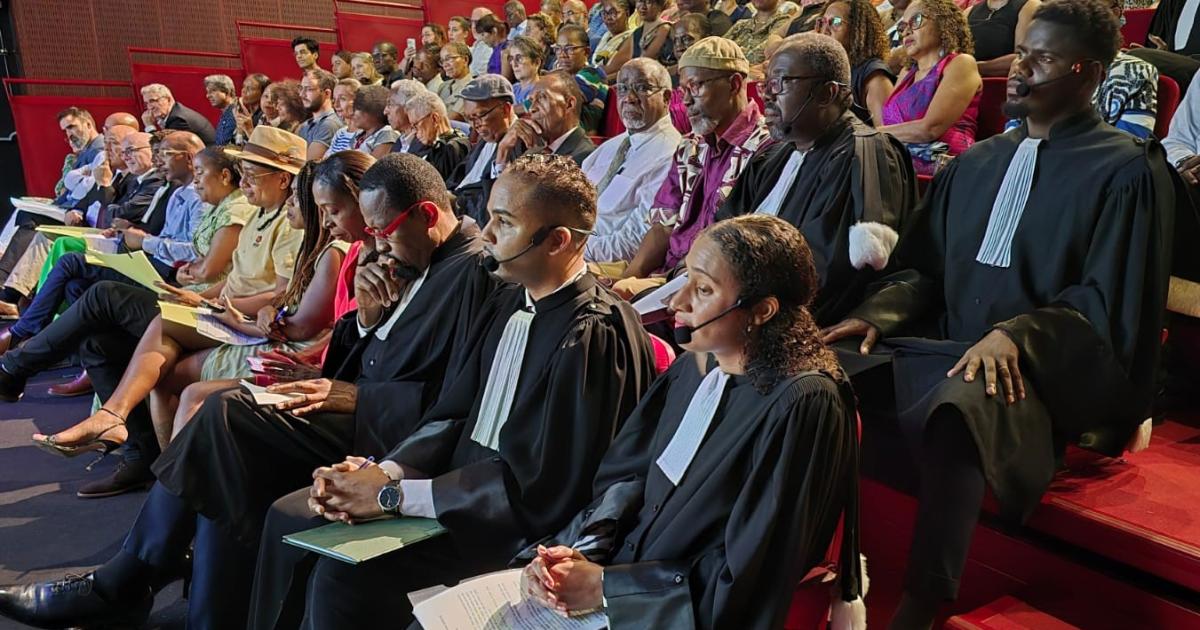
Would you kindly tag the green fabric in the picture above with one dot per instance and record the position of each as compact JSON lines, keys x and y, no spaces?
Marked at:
{"x":62,"y":246}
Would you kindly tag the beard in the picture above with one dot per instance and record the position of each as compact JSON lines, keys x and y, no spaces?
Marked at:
{"x":1014,"y":109}
{"x":702,"y":125}
{"x":401,"y":270}
{"x":633,"y":120}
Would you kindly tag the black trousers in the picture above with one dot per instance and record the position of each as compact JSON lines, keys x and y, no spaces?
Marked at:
{"x":103,"y":326}
{"x":26,"y":223}
{"x":294,"y":588}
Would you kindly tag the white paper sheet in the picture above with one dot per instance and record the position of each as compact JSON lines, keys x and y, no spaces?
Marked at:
{"x":493,"y":602}
{"x":263,"y":397}
{"x":213,"y":328}
{"x":657,"y":300}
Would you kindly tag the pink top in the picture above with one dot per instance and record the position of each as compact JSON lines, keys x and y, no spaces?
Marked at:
{"x":910,"y":101}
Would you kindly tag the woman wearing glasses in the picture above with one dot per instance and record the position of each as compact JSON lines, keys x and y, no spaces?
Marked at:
{"x":935,"y":105}
{"x":611,"y":52}
{"x":526,"y":57}
{"x":855,"y":24}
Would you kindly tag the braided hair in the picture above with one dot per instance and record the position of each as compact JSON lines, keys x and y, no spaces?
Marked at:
{"x":769,"y":257}
{"x":316,"y":239}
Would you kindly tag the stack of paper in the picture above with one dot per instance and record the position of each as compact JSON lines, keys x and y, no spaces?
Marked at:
{"x":494,"y":602}
{"x":656,"y":302}
{"x":205,"y":323}
{"x":363,"y":541}
{"x":265,"y":398}
{"x":38,"y":205}
{"x":134,"y":266}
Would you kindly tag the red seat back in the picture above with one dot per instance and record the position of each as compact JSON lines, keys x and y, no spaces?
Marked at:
{"x":1168,"y":102}
{"x":183,"y":72}
{"x":613,"y":126}
{"x":991,"y":119}
{"x":664,"y":354}
{"x":1137,"y":25}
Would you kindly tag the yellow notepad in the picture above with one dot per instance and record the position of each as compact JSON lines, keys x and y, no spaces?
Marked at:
{"x":178,"y":313}
{"x":135,"y":266}
{"x":68,"y":230}
{"x":358,"y":543}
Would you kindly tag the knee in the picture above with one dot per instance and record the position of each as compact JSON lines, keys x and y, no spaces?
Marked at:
{"x":71,"y":262}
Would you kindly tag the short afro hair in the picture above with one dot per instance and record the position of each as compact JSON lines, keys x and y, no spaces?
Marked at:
{"x":1095,"y":29}
{"x":557,"y":188}
{"x":405,"y":180}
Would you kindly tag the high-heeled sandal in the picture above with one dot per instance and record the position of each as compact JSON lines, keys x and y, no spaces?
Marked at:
{"x":98,"y":443}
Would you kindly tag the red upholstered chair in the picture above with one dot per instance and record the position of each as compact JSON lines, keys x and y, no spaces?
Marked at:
{"x":991,"y":119}
{"x":1137,"y":25}
{"x":753,"y":94}
{"x":664,"y":354}
{"x":1168,"y":102}
{"x":612,"y":117}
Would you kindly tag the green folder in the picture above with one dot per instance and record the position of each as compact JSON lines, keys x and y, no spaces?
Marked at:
{"x":358,"y":543}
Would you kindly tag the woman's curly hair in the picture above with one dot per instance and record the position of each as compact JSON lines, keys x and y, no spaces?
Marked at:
{"x":769,"y":257}
{"x":951,"y":25}
{"x":867,"y":37}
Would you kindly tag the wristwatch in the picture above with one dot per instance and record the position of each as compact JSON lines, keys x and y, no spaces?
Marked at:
{"x":390,"y":497}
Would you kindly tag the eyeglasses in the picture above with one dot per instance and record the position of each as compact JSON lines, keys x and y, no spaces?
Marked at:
{"x":383,"y":233}
{"x":479,"y":118}
{"x":641,"y":89}
{"x":917,"y":21}
{"x":448,"y":58}
{"x":774,"y":86}
{"x":610,"y":13}
{"x":132,"y":150}
{"x":517,"y":58}
{"x":832,"y":22}
{"x":250,"y":176}
{"x":695,"y":87}
{"x":566,"y":50}
{"x":170,"y":153}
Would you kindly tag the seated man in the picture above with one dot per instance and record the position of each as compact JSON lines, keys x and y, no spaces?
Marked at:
{"x":629,"y":169}
{"x":687,"y":528}
{"x":1128,"y":97}
{"x":488,"y":106}
{"x":72,"y":274}
{"x":572,"y":53}
{"x":397,"y":117}
{"x":508,"y":452}
{"x":219,"y":90}
{"x":163,"y":112}
{"x":846,"y":186}
{"x":441,"y":145}
{"x":552,"y":125}
{"x":1046,"y":294}
{"x":727,"y":129}
{"x":427,"y":68}
{"x":1173,"y":42}
{"x":316,"y":93}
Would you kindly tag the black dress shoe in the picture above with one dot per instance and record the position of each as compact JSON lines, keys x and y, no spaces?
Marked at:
{"x":70,"y":602}
{"x":11,"y":387}
{"x":128,"y":477}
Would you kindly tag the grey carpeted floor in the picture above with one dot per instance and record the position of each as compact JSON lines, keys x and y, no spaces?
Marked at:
{"x":45,"y":531}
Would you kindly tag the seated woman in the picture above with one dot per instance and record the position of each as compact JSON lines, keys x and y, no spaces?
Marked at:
{"x":608,"y":53}
{"x":375,"y":136}
{"x":653,"y":37}
{"x":754,"y":33}
{"x":343,"y":104}
{"x":284,"y":99}
{"x":272,"y":248}
{"x":363,"y":66}
{"x":543,"y":30}
{"x":335,"y":193}
{"x":934,"y":107}
{"x":727,"y":483}
{"x":856,"y":26}
{"x":526,"y":57}
{"x":441,"y":145}
{"x":218,"y":183}
{"x":997,"y":26}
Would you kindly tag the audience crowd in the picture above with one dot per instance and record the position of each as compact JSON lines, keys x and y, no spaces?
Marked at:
{"x":467,"y":267}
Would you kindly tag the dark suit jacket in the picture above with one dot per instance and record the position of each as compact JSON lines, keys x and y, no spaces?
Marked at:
{"x":471,"y":200}
{"x":132,"y":205}
{"x":577,"y":145}
{"x":184,"y":118}
{"x":446,"y":153}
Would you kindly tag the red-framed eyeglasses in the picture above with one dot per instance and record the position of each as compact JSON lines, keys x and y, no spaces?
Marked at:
{"x":395,"y":224}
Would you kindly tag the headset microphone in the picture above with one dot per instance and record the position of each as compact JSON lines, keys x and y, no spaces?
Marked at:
{"x":683,"y":334}
{"x":1024,"y":89}
{"x":786,"y":129}
{"x":491,"y":264}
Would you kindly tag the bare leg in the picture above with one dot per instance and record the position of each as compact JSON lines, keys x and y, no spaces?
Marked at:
{"x":154,"y":357}
{"x":193,"y":397}
{"x":164,"y":399}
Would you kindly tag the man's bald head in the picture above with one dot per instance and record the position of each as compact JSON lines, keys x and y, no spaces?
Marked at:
{"x":114,"y":138}
{"x":175,"y":153}
{"x":124,"y":119}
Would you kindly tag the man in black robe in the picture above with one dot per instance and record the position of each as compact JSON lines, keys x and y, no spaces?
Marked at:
{"x":1036,"y":275}
{"x":1173,"y":42}
{"x":496,"y":474}
{"x":416,"y":297}
{"x":847,"y":187}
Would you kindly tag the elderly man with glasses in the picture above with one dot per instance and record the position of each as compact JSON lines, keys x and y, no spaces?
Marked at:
{"x":629,"y":169}
{"x":488,"y":107}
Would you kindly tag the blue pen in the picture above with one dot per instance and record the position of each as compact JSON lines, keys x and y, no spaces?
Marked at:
{"x":279,"y":316}
{"x":370,"y":460}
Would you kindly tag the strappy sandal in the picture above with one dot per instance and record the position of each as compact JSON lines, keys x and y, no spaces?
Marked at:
{"x":50,"y":443}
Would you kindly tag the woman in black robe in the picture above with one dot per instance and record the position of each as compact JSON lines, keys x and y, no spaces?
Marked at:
{"x":761,"y":443}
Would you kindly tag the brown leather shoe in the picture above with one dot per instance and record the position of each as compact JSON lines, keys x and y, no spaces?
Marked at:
{"x":81,"y":385}
{"x":128,"y":477}
{"x":8,"y":341}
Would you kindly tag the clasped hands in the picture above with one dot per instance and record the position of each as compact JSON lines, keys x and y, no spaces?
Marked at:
{"x":348,"y":491}
{"x":563,"y":580}
{"x":996,"y":353}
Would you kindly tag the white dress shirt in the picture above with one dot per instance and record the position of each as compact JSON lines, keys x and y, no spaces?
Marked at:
{"x":623,"y":209}
{"x":1183,"y":138}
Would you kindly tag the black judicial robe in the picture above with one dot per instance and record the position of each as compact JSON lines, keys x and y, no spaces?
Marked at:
{"x":1166,"y":18}
{"x":853,"y":173}
{"x":234,"y":458}
{"x":587,"y":363}
{"x":755,"y":511}
{"x":1083,"y":300}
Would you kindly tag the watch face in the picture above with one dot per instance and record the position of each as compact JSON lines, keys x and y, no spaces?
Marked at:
{"x":389,"y":498}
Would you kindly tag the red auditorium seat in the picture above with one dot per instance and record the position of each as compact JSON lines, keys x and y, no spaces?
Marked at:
{"x":1137,"y":25}
{"x":1168,"y":102}
{"x":1007,"y":613}
{"x":991,"y":119}
{"x":612,"y":118}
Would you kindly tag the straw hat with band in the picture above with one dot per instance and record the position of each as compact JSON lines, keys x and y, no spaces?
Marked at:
{"x":274,"y":148}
